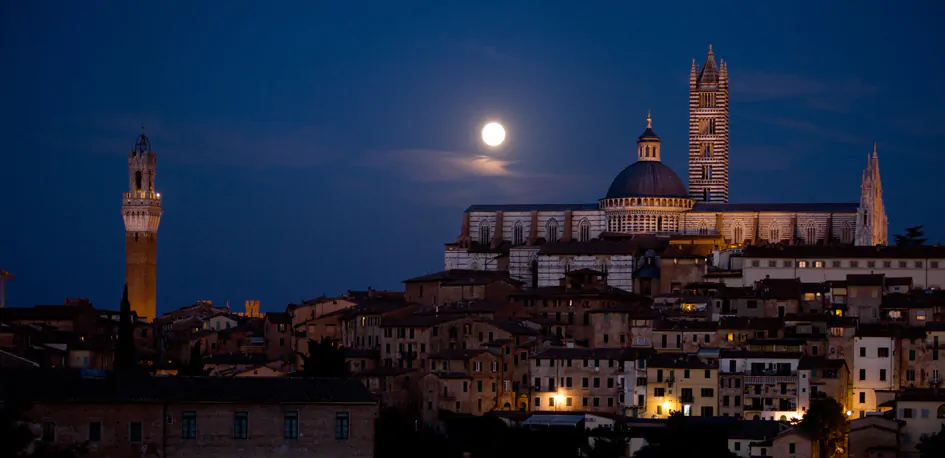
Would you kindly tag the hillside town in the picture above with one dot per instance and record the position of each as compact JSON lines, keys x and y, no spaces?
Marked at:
{"x":659,"y":321}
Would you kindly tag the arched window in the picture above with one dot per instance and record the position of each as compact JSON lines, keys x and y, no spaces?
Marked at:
{"x":551,"y":230}
{"x":138,"y":180}
{"x":707,"y":172}
{"x":810,"y":233}
{"x":706,"y":194}
{"x":584,"y":231}
{"x":703,"y":227}
{"x":659,"y":224}
{"x":484,"y":232}
{"x":518,"y":233}
{"x":707,"y":150}
{"x":846,"y":233}
{"x":774,"y":232}
{"x":738,"y":234}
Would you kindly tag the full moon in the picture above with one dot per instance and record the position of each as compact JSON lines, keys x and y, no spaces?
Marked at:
{"x":493,"y":134}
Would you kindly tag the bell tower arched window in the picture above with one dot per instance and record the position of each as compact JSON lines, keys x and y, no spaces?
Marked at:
{"x":138,"y":180}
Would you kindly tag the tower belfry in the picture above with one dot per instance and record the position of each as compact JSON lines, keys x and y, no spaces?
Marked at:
{"x":141,"y":211}
{"x":708,"y":131}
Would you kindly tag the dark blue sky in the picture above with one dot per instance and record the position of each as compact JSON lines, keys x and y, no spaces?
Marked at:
{"x":308,"y":148}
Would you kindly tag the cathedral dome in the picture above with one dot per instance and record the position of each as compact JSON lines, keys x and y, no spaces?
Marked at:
{"x":647,"y":179}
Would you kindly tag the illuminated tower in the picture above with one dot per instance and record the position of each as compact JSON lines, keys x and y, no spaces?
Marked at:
{"x":871,"y":222}
{"x":141,"y":210}
{"x":708,"y":131}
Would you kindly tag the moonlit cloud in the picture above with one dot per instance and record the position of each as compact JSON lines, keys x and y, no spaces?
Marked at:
{"x":437,"y":165}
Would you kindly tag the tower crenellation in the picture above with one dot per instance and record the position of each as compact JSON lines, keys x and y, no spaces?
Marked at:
{"x":141,"y":212}
{"x":708,"y":130}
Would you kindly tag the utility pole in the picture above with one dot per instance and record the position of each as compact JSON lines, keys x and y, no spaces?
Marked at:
{"x":4,"y":275}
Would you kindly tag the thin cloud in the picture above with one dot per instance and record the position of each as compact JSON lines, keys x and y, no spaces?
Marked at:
{"x":454,"y":179}
{"x":810,"y":128}
{"x":837,"y":95}
{"x":437,"y":165}
{"x":256,"y":145}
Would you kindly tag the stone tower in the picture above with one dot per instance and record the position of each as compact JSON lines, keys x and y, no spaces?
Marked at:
{"x":708,"y":131}
{"x":141,"y":210}
{"x":871,"y":223}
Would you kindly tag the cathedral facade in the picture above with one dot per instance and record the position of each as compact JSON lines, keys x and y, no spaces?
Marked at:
{"x":647,"y":200}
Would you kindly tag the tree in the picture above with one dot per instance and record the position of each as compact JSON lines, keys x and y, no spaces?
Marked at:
{"x":17,"y":439}
{"x":324,"y":359}
{"x":914,"y":236}
{"x":194,"y":366}
{"x":932,"y":446}
{"x":125,"y":353}
{"x":826,"y":422}
{"x":683,"y":438}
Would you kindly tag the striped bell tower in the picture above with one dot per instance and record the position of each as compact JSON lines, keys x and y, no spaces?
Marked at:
{"x":708,"y":131}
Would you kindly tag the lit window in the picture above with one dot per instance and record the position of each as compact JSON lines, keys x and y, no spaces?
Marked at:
{"x":819,"y":264}
{"x":802,"y":264}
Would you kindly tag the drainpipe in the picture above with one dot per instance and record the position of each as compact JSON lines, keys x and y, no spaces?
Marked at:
{"x":163,"y":451}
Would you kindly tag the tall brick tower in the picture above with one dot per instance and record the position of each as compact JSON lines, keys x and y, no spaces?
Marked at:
{"x":708,"y":131}
{"x":141,"y":210}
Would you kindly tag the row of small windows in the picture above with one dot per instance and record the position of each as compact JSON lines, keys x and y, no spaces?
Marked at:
{"x":188,"y":427}
{"x":518,"y":232}
{"x":853,"y":264}
{"x":642,"y":223}
{"x":774,"y":230}
{"x":706,"y":99}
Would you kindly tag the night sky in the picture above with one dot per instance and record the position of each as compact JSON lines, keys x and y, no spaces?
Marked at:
{"x":309,"y":148}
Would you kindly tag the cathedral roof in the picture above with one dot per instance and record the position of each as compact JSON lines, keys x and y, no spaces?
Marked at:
{"x":647,"y":179}
{"x":816,"y":207}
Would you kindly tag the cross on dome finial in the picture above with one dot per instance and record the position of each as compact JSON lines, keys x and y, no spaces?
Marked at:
{"x":649,"y":119}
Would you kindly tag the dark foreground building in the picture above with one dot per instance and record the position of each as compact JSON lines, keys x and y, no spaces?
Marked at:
{"x":198,"y":416}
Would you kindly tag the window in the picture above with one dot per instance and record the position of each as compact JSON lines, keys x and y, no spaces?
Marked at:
{"x":802,"y":264}
{"x":882,"y":352}
{"x":863,"y":352}
{"x":134,"y":432}
{"x":882,"y":375}
{"x":906,"y":413}
{"x":290,"y":425}
{"x":862,"y":397}
{"x":584,"y":233}
{"x":95,"y":431}
{"x":774,"y":233}
{"x":484,"y":235}
{"x":792,"y":448}
{"x":49,"y":431}
{"x":551,"y":230}
{"x":188,"y":425}
{"x":240,"y":425}
{"x":862,"y":375}
{"x":518,"y":233}
{"x":342,"y":425}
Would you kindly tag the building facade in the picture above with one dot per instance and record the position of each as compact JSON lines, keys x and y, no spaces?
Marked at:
{"x":141,"y":211}
{"x":536,"y":243}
